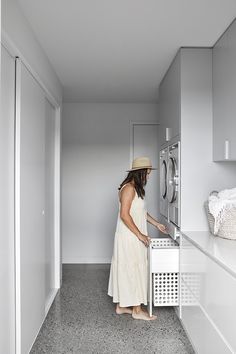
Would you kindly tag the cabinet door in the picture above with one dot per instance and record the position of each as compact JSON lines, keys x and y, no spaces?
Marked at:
{"x":224,"y":103}
{"x":202,"y":334}
{"x":162,"y":126}
{"x":208,"y":293}
{"x":30,"y":142}
{"x":169,"y":98}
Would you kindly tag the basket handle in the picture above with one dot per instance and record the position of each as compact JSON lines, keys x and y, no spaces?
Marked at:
{"x":213,"y":193}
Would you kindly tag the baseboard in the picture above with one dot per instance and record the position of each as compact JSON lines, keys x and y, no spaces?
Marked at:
{"x":50,"y":300}
{"x":188,"y":336}
{"x":177,"y":311}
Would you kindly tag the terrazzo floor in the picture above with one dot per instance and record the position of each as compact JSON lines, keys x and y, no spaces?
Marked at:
{"x":82,"y":320}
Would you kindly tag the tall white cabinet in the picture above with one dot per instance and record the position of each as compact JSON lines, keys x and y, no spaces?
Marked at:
{"x":35,"y":206}
{"x":186,"y":108}
{"x":224,"y":103}
{"x":29,"y":205}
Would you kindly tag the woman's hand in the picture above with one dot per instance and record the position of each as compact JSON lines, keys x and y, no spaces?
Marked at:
{"x":145,"y":239}
{"x":162,"y":228}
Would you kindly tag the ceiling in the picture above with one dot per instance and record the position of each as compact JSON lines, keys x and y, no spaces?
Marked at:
{"x":119,"y":50}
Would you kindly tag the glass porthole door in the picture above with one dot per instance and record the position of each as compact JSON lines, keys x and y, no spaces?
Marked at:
{"x":163,"y":179}
{"x":172,"y":177}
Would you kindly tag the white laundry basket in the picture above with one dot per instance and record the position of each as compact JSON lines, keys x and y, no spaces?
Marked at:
{"x":164,"y":266}
{"x":227,"y":228}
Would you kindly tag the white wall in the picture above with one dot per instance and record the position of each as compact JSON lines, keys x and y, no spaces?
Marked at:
{"x":16,"y":27}
{"x":199,"y":175}
{"x":95,"y":156}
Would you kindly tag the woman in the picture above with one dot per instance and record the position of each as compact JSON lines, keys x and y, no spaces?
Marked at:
{"x":128,"y":273}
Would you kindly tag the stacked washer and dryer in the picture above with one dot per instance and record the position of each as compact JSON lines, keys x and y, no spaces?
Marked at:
{"x":164,"y":250}
{"x":170,"y":188}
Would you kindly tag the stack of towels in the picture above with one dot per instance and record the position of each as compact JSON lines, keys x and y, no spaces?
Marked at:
{"x":219,"y":205}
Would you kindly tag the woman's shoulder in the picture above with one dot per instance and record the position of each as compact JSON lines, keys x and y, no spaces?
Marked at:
{"x":128,"y":187}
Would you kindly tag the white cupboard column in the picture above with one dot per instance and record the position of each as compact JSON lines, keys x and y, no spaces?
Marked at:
{"x":224,"y":103}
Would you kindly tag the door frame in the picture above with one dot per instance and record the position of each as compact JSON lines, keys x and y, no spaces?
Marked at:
{"x":131,"y":134}
{"x":133,"y":124}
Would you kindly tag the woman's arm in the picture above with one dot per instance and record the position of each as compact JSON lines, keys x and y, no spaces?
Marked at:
{"x":155,"y":223}
{"x":151,"y":220}
{"x":127,"y":196}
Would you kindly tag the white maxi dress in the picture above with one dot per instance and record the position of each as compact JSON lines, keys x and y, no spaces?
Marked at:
{"x":128,"y":280}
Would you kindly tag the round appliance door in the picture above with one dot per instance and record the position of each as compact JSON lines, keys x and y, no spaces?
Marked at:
{"x":172,"y":175}
{"x":163,"y":179}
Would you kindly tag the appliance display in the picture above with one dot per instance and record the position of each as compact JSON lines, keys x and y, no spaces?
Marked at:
{"x":170,"y":188}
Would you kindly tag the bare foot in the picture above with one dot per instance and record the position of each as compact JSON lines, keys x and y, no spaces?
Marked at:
{"x":144,"y":310}
{"x":143,"y":315}
{"x":121,"y":310}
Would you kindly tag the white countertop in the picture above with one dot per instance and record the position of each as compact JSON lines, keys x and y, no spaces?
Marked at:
{"x":221,"y":250}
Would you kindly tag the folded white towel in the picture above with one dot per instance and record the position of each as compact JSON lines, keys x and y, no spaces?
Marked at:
{"x":227,"y":194}
{"x":219,"y":205}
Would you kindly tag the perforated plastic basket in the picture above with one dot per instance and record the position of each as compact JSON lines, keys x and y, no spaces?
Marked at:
{"x":165,"y":283}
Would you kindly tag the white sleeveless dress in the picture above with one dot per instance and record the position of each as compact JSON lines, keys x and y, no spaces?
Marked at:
{"x":128,"y":280}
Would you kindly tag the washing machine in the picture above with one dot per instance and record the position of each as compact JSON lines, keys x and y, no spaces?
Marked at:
{"x":173,"y":185}
{"x":163,"y":183}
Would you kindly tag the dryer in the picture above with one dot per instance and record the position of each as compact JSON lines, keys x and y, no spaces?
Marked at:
{"x":163,"y":183}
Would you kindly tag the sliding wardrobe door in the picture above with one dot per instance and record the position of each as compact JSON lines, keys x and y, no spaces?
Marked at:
{"x":30,"y":207}
{"x":7,"y":287}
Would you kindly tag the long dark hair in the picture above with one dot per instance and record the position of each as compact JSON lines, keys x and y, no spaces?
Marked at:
{"x":140,"y":180}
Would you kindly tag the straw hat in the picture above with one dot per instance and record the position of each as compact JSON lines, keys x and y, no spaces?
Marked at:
{"x":140,"y":163}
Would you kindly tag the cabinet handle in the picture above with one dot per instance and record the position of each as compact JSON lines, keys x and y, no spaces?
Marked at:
{"x":226,"y":149}
{"x":168,"y":134}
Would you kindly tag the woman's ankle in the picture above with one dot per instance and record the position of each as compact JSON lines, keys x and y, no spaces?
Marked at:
{"x":136,"y":309}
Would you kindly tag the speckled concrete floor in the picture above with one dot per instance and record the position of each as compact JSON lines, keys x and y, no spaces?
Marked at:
{"x":82,"y":321}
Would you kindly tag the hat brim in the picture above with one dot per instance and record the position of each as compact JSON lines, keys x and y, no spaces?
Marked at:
{"x":142,"y":168}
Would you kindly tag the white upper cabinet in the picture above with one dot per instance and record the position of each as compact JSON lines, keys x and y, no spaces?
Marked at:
{"x":224,"y":99}
{"x":169,"y":98}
